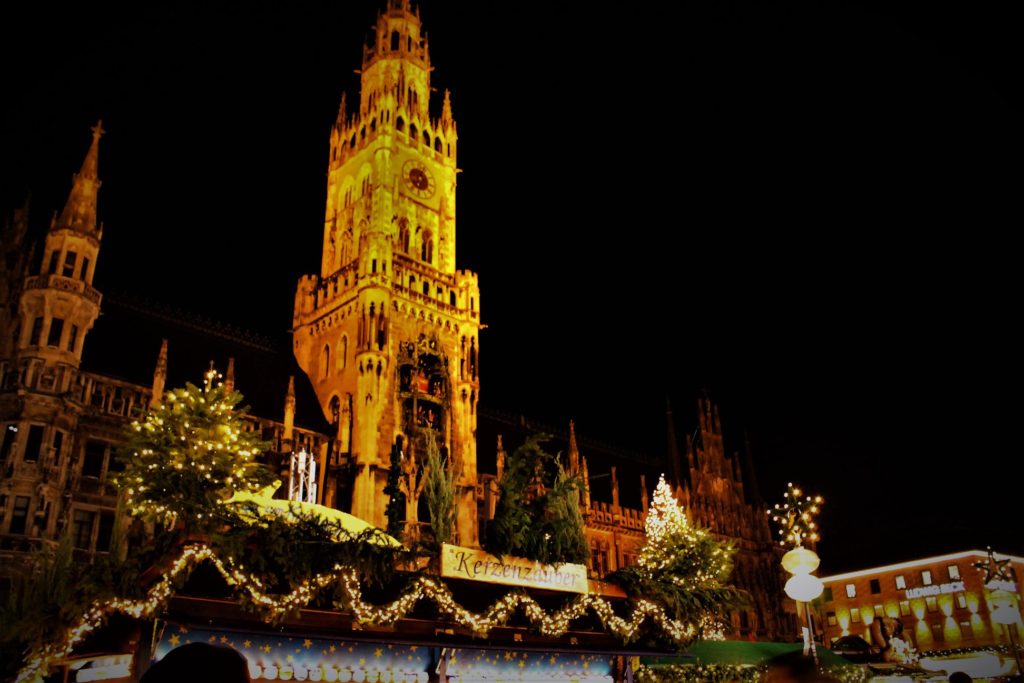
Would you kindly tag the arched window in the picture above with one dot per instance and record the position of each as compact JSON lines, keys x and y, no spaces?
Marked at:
{"x":373,"y":125}
{"x":394,"y":40}
{"x":412,"y":131}
{"x":325,"y":362}
{"x":427,"y":248}
{"x":362,"y":133}
{"x":400,"y":124}
{"x":342,"y":352}
{"x":335,"y":408}
{"x":426,"y":139}
{"x":403,"y":235}
{"x":437,"y":144}
{"x":352,"y":142}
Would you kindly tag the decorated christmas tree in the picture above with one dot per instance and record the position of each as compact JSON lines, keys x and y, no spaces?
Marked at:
{"x":189,"y":453}
{"x":682,"y":566}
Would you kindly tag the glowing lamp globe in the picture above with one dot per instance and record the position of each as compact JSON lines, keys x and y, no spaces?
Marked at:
{"x":1005,"y":614}
{"x":800,"y":560}
{"x":804,"y":587}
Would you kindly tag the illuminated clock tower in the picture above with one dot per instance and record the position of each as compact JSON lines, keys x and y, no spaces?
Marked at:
{"x":388,"y":332}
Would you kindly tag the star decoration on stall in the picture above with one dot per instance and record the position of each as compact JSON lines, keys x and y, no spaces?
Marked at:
{"x":995,"y":570}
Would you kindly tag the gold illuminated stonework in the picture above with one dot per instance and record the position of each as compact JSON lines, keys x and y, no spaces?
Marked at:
{"x":388,"y":332}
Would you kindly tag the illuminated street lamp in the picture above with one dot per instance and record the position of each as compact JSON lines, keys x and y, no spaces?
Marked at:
{"x":1006,"y":614}
{"x":1004,"y":603}
{"x":795,"y":517}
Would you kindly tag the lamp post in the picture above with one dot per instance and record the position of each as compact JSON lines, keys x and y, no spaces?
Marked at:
{"x":795,"y":517}
{"x":1006,"y":614}
{"x":803,"y":587}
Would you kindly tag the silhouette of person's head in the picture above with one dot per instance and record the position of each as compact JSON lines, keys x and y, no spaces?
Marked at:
{"x":791,"y":667}
{"x":960,"y":677}
{"x":199,"y":663}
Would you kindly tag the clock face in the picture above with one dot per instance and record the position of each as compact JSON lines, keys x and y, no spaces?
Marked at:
{"x":418,"y":179}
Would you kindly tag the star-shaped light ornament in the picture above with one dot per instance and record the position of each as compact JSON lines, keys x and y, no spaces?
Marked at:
{"x":795,"y":516}
{"x":995,"y":570}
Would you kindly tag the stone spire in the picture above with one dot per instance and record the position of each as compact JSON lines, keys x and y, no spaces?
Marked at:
{"x":229,"y":376}
{"x":574,"y":451}
{"x":159,"y":376}
{"x":289,"y":409}
{"x":80,"y":210}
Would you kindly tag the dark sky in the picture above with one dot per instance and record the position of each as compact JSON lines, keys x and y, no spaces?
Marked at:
{"x":803,"y":208}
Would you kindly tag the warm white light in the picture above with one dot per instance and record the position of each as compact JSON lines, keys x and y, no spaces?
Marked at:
{"x":800,"y":560}
{"x":1005,"y":614}
{"x":804,"y":587}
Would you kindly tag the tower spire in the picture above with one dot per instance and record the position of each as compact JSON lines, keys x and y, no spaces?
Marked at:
{"x":574,"y":451}
{"x":80,"y":210}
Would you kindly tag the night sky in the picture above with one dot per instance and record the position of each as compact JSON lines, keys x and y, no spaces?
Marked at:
{"x":803,"y":210}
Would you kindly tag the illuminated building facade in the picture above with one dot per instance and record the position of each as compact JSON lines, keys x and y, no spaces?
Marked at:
{"x":384,"y":355}
{"x":942,"y":602}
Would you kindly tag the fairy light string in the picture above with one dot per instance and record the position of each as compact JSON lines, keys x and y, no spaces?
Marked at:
{"x":275,"y":607}
{"x":796,"y":516}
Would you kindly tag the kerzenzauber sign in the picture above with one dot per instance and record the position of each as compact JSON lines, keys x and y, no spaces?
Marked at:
{"x":476,"y":565}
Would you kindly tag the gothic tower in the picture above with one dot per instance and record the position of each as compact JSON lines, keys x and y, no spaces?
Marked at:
{"x":388,"y":332}
{"x":40,"y":402}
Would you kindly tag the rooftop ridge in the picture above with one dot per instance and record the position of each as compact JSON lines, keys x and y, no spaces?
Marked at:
{"x":193,"y":321}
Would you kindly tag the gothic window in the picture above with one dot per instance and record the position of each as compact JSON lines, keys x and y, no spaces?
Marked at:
{"x":34,"y":443}
{"x":69,"y":264}
{"x":437,"y":144}
{"x":426,"y":139}
{"x":58,"y":445}
{"x":427,"y":248}
{"x":394,"y":40}
{"x":56,"y":330}
{"x":400,"y":124}
{"x":352,"y":141}
{"x":325,"y":361}
{"x":7,"y":444}
{"x":403,"y":236}
{"x":412,"y":131}
{"x":343,"y":352}
{"x":335,"y":408}
{"x":362,"y":133}
{"x":82,"y":528}
{"x":373,"y":125}
{"x":93,"y":459}
{"x":106,"y":531}
{"x":346,"y":247}
{"x":20,"y":515}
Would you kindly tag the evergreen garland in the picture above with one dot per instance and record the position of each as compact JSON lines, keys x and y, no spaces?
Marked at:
{"x":395,"y":510}
{"x":440,"y":492}
{"x":537,"y":515}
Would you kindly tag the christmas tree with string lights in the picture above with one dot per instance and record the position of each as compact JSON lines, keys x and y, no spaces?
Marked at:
{"x":189,"y":453}
{"x":682,"y":566}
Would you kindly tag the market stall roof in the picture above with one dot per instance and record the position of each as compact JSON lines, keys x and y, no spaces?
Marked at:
{"x":741,"y":652}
